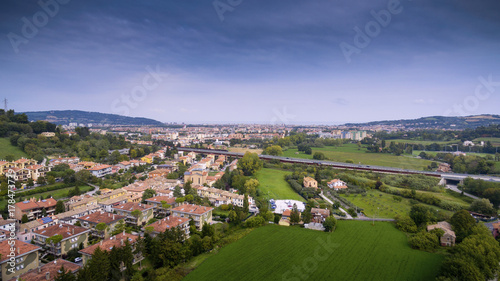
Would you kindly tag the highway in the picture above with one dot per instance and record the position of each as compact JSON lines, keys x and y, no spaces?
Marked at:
{"x":340,"y":165}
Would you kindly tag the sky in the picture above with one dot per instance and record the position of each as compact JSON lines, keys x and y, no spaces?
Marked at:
{"x":232,"y":61}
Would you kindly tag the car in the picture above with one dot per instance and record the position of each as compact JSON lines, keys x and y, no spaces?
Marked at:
{"x":78,"y":259}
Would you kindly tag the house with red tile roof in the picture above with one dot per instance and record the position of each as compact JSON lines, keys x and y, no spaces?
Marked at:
{"x":169,"y":222}
{"x":126,"y":209}
{"x":92,"y":220}
{"x":72,"y":237}
{"x":49,"y":271}
{"x":100,"y":170}
{"x":18,"y":258}
{"x":199,"y":214}
{"x":34,"y":209}
{"x":117,"y":241}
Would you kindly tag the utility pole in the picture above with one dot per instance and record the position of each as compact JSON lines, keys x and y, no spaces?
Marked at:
{"x":5,"y":105}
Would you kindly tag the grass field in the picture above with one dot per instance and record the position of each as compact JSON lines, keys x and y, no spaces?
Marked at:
{"x":243,"y":150}
{"x":433,"y":153}
{"x":383,"y":205}
{"x":351,"y":152}
{"x":272,"y":181}
{"x":357,"y":251}
{"x":494,"y":141}
{"x":7,"y":149}
{"x":388,"y":142}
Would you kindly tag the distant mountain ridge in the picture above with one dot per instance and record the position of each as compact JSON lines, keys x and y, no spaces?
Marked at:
{"x":65,"y":117}
{"x":439,"y":122}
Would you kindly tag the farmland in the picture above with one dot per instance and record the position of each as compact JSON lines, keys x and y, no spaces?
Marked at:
{"x":8,"y":149}
{"x":272,"y":182}
{"x":351,"y":152}
{"x":383,"y":205}
{"x":494,"y":141}
{"x":244,"y":149}
{"x":388,"y":142}
{"x":357,"y":251}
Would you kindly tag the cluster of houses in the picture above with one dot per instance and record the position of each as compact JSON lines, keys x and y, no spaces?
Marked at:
{"x":23,"y":169}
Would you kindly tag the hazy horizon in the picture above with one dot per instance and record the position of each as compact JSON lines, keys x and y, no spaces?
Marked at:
{"x":268,"y":62}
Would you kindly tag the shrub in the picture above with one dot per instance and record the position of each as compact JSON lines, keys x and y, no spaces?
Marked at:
{"x":424,"y":241}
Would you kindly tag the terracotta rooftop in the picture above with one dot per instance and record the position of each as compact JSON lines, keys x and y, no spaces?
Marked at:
{"x":65,"y":230}
{"x":158,"y":199}
{"x":108,"y":244}
{"x":22,"y":248}
{"x":192,"y":209}
{"x":52,"y":268}
{"x":168,"y":223}
{"x":99,"y":217}
{"x":131,"y":206}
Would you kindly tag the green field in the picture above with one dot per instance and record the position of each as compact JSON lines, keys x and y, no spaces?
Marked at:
{"x":273,"y":185}
{"x":8,"y":149}
{"x":357,"y":251}
{"x":494,"y":141}
{"x":351,"y":152}
{"x":388,"y":142}
{"x":433,"y":153}
{"x":383,"y":205}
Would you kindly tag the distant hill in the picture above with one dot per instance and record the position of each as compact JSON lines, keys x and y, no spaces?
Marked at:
{"x":439,"y":122}
{"x":65,"y":117}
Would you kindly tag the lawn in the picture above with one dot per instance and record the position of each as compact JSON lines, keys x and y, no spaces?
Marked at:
{"x":383,"y":205}
{"x":351,"y":152}
{"x":433,"y":153}
{"x":8,"y":149}
{"x":273,"y":185}
{"x":355,"y":251}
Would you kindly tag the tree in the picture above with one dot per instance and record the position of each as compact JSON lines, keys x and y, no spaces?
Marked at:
{"x":482,"y":206}
{"x":274,"y":150}
{"x":306,"y":216}
{"x":462,"y":223}
{"x":245,"y":204}
{"x":137,"y":214}
{"x":64,"y":275}
{"x":250,"y":163}
{"x":44,"y":212}
{"x":101,"y":227}
{"x":177,"y":191}
{"x":24,"y":218}
{"x":40,"y":180}
{"x":405,"y":224}
{"x":330,"y":223}
{"x":420,"y":214}
{"x":60,"y":208}
{"x":423,"y":240}
{"x":148,"y":193}
{"x":99,"y":266}
{"x":187,"y":187}
{"x":319,"y":155}
{"x":51,"y":179}
{"x":251,"y":186}
{"x":30,"y":183}
{"x":294,"y":215}
{"x":83,"y":176}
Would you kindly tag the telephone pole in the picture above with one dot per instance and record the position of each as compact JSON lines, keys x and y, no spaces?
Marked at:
{"x":5,"y":105}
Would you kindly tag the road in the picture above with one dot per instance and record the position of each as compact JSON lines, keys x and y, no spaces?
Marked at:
{"x":455,"y":188}
{"x":92,"y":192}
{"x":349,"y":217}
{"x":341,"y":165}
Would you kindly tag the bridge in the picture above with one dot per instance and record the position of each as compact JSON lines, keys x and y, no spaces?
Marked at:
{"x":446,"y":178}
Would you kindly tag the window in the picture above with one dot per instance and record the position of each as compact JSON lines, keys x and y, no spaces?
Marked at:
{"x":19,"y":260}
{"x":19,"y":267}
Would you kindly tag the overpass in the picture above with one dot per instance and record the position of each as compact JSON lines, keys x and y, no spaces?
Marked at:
{"x":446,"y":177}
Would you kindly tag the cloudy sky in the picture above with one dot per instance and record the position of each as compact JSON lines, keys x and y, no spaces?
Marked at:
{"x":252,"y":61}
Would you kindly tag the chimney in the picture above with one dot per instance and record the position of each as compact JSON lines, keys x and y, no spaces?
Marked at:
{"x":47,"y":276}
{"x":123,"y":232}
{"x":101,"y":243}
{"x":39,"y":269}
{"x":73,"y":231}
{"x":55,"y":262}
{"x":113,"y":217}
{"x":121,"y":242}
{"x":18,"y":250}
